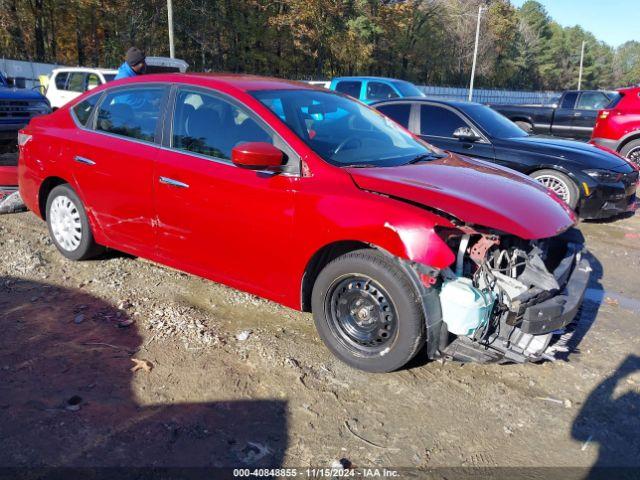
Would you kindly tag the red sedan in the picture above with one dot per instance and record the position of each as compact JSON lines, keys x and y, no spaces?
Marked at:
{"x":314,"y":200}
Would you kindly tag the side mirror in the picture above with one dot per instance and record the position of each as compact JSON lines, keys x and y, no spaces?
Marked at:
{"x":466,"y":133}
{"x":257,"y":156}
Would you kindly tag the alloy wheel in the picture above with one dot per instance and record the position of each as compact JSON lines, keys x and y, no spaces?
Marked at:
{"x":555,"y":184}
{"x":634,"y":156}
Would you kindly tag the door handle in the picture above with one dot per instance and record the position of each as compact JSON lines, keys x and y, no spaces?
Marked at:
{"x":173,"y":183}
{"x":577,"y":114}
{"x":86,"y":161}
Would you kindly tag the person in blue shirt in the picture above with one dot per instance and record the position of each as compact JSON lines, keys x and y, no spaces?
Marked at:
{"x":133,"y":65}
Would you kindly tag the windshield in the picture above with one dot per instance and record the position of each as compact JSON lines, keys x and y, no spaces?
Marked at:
{"x":495,"y":124}
{"x":343,"y":131}
{"x":407,"y":89}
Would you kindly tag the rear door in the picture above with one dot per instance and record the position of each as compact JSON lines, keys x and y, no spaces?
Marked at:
{"x":436,"y":124}
{"x":215,"y":219}
{"x":586,"y":112}
{"x":562,"y":123}
{"x":113,"y":164}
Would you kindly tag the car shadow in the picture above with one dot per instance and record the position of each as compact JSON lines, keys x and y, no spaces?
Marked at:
{"x":610,"y":421}
{"x":66,"y":396}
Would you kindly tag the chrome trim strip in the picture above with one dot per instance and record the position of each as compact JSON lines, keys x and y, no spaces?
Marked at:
{"x":173,"y":183}
{"x":84,"y":160}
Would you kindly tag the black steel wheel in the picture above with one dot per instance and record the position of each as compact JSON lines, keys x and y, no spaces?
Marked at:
{"x":367,"y":311}
{"x":361,"y":314}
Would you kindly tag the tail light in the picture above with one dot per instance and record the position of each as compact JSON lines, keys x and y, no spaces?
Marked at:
{"x":603,"y":114}
{"x":23,"y":138}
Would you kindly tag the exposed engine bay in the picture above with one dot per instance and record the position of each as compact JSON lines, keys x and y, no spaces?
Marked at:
{"x":506,"y":298}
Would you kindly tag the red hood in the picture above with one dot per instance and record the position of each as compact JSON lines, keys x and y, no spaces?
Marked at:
{"x":475,"y":192}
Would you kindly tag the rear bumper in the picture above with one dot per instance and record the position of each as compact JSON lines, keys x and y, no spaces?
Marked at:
{"x":606,"y":142}
{"x":557,"y":312}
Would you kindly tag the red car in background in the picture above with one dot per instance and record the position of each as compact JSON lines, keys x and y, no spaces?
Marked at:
{"x":618,"y":127}
{"x":314,"y":200}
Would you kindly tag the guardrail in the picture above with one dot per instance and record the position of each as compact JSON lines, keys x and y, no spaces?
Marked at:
{"x":490,"y":96}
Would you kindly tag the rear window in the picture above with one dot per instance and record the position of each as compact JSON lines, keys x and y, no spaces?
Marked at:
{"x":83,"y":110}
{"x":398,"y":112}
{"x":350,"y":88}
{"x":131,"y":112}
{"x":569,"y":100}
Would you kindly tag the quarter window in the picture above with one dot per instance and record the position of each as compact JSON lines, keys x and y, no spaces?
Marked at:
{"x":83,"y":109}
{"x":132,"y":112}
{"x":380,"y":91}
{"x":349,"y":87}
{"x":398,"y":112}
{"x":208,"y":125}
{"x":438,"y":121}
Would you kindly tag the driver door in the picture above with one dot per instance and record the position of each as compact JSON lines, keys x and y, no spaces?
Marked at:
{"x":213,"y":218}
{"x":436,"y":125}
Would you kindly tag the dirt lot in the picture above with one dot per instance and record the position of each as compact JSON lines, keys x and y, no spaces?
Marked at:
{"x":214,"y":398}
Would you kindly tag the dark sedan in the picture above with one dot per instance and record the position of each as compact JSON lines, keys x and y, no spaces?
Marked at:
{"x":594,"y":182}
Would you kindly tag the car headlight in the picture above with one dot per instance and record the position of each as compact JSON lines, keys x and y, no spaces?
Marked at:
{"x":604,"y":176}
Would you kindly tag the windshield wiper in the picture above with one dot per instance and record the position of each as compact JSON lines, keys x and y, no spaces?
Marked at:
{"x":425,"y":157}
{"x":360,"y":165}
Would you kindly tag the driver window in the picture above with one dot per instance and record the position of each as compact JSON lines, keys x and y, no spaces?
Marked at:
{"x":592,"y":101}
{"x":211,"y":126}
{"x":380,"y":91}
{"x":439,"y":122}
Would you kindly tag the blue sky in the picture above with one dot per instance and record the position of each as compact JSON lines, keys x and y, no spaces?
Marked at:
{"x":612,"y":21}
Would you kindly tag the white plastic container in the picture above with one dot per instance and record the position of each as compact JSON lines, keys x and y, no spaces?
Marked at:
{"x":465,"y":308}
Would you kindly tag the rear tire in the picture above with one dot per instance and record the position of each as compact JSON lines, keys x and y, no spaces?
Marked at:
{"x":561,"y":184}
{"x":631,"y":151}
{"x":69,"y":226}
{"x":367,"y":311}
{"x":526,"y":126}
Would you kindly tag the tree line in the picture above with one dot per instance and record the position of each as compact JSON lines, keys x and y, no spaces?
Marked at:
{"x":424,"y":41}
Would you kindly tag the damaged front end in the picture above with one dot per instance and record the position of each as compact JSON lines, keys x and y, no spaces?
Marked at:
{"x":505,"y":298}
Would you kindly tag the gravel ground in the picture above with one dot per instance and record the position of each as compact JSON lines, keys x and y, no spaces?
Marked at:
{"x":223,"y":378}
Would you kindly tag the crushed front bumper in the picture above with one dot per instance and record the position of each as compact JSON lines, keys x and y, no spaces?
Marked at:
{"x":557,"y":312}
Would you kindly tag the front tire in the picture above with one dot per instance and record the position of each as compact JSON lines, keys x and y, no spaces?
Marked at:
{"x":69,"y":226}
{"x":631,"y":151}
{"x":560,"y":184}
{"x":367,"y":311}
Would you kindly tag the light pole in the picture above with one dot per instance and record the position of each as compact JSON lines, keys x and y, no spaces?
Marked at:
{"x":170,"y":21}
{"x":475,"y":53}
{"x":581,"y":60}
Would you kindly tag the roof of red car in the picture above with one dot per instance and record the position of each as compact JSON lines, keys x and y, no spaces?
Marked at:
{"x":239,"y":81}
